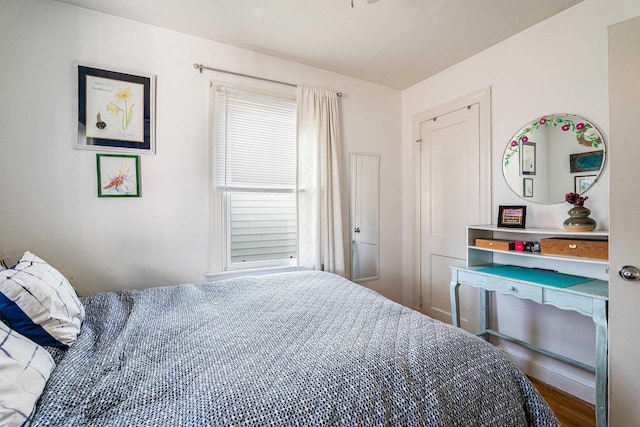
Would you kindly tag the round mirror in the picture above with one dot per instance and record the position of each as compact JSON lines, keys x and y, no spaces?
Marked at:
{"x":552,"y":156}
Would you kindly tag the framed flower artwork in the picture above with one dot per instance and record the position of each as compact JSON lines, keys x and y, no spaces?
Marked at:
{"x":118,"y":175}
{"x":115,"y":110}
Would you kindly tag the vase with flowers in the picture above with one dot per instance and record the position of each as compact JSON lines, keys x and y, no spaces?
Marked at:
{"x":579,"y":219}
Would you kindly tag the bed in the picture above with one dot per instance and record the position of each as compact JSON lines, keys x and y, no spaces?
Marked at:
{"x":303,"y":348}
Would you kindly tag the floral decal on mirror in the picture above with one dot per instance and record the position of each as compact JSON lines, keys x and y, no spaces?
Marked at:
{"x":586,"y":134}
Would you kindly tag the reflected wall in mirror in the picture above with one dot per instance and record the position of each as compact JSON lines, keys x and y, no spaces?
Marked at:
{"x":552,"y":156}
{"x":365,"y":201}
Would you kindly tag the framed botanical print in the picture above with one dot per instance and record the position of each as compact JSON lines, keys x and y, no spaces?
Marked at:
{"x":115,"y":110}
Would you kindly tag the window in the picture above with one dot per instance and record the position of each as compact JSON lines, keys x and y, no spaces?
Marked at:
{"x":255,"y":177}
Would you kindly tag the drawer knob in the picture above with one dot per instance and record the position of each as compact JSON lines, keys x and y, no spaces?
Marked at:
{"x":490,"y":243}
{"x":572,"y":246}
{"x":511,"y":288}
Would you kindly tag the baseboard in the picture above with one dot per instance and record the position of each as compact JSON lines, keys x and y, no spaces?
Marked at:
{"x":578,"y":387}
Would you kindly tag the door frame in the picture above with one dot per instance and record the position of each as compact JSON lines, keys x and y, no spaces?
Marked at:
{"x":481,"y":97}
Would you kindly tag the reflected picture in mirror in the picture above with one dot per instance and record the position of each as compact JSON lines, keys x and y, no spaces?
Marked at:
{"x":552,"y":154}
{"x":527,"y":187}
{"x":528,"y":150}
{"x":582,"y":183}
{"x":585,"y":162}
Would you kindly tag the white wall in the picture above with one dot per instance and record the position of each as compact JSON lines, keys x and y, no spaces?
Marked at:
{"x":557,"y":66}
{"x":48,"y":189}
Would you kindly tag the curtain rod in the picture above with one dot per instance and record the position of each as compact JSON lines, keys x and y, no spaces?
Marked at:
{"x":202,"y":67}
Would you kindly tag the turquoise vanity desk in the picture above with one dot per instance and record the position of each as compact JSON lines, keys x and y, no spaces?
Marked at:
{"x":580,"y":286}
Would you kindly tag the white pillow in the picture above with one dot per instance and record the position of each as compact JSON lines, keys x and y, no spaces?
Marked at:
{"x":24,"y":370}
{"x":40,"y":303}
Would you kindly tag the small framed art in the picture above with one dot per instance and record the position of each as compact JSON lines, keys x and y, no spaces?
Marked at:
{"x":115,"y":110}
{"x":582,"y":183}
{"x":512,"y":216}
{"x":528,"y":158}
{"x":118,"y":175}
{"x":527,"y":187}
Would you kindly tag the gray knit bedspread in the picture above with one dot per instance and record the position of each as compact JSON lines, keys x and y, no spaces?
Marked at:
{"x":305,"y":348}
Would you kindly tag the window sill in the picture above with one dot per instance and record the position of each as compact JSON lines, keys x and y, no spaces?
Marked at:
{"x":213,"y":277}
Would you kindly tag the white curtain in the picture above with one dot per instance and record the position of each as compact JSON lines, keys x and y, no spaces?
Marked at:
{"x":320,"y":241}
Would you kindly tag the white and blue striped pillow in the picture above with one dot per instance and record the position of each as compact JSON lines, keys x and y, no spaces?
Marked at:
{"x":40,"y":303}
{"x":24,"y":370}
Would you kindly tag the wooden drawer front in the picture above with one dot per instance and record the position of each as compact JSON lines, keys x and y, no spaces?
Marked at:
{"x":502,"y":245}
{"x":597,"y":249}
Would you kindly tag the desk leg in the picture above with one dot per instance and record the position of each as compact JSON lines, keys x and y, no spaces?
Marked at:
{"x":600,"y":319}
{"x":484,"y":314}
{"x":455,"y":306}
{"x":455,"y":299}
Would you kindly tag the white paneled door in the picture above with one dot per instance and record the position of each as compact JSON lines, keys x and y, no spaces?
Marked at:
{"x":624,"y":157}
{"x":449,"y":201}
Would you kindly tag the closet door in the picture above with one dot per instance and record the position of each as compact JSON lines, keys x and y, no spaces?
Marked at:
{"x":365,"y":197}
{"x":449,"y":201}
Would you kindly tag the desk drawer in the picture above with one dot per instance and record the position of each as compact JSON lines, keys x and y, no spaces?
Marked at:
{"x":520,"y":290}
{"x":502,"y":245}
{"x":598,"y":249}
{"x":567,"y":301}
{"x":504,"y":286}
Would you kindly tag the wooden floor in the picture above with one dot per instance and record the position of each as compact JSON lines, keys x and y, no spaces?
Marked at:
{"x":571,"y":411}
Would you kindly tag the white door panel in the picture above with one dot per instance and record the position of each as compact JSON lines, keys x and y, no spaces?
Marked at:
{"x":624,"y":155}
{"x":449,"y":201}
{"x":447,"y":183}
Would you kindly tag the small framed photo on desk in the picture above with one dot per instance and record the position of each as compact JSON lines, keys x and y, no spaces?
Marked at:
{"x":512,"y":216}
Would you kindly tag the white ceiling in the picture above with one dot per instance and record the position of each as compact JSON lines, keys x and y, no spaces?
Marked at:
{"x":396,"y":43}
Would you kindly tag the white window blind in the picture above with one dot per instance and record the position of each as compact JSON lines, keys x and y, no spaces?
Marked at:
{"x":256,"y":142}
{"x":255,"y":146}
